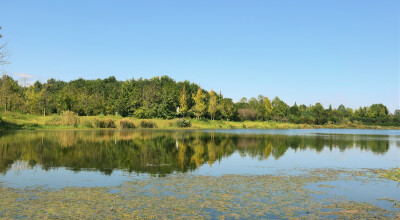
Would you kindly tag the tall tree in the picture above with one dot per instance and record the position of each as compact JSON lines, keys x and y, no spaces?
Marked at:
{"x":200,"y":104}
{"x":183,"y":107}
{"x":279,"y":109}
{"x":212,"y":106}
{"x":9,"y":93}
{"x":268,"y":108}
{"x":377,"y":110}
{"x":44,"y":98}
{"x":319,"y":113}
{"x":227,"y":108}
{"x":32,"y":103}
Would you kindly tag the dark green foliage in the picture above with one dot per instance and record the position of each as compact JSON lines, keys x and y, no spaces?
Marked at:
{"x":148,"y":124}
{"x":279,"y":110}
{"x":105,"y":123}
{"x":183,"y":123}
{"x":126,"y":123}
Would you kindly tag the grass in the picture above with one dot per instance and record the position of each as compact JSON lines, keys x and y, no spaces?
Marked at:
{"x":18,"y":121}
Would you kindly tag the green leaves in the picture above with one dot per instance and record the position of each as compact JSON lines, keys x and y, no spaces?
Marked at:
{"x":200,"y":103}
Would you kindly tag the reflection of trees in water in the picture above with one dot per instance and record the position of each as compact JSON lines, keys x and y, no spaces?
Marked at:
{"x":160,"y":152}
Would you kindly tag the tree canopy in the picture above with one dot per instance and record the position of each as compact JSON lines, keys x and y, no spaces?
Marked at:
{"x":161,"y":97}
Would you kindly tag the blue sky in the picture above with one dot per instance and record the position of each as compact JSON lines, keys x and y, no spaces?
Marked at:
{"x":333,"y":52}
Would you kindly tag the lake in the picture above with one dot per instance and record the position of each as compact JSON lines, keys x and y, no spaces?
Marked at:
{"x":334,"y":170}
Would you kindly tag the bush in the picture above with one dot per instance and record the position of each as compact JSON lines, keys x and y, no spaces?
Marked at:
{"x":88,"y":123}
{"x":105,"y":123}
{"x":148,"y":124}
{"x":69,"y":118}
{"x":127,"y":123}
{"x":182,"y":123}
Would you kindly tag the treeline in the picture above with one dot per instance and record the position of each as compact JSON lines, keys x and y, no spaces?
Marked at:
{"x":163,"y":97}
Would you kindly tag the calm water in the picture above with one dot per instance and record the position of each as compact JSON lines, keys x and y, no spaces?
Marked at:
{"x":107,"y":157}
{"x":277,"y":171}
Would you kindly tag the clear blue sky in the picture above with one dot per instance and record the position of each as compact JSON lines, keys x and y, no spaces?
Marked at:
{"x":328,"y":51}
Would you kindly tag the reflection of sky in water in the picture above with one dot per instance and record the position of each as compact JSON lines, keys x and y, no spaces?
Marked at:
{"x":377,"y":192}
{"x":291,"y":162}
{"x":61,"y":177}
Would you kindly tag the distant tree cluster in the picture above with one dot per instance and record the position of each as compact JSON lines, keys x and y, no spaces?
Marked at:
{"x":162,"y":97}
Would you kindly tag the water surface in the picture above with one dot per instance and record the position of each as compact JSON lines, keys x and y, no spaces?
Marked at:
{"x":109,"y":157}
{"x":214,"y":173}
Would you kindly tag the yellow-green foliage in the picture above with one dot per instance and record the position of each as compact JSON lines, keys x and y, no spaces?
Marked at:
{"x":390,"y":174}
{"x":200,"y":104}
{"x":70,"y":118}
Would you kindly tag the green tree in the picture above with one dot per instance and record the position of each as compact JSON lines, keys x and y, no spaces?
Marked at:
{"x":279,"y":109}
{"x":32,"y":103}
{"x":44,"y":97}
{"x":227,"y":108}
{"x":200,"y":104}
{"x":183,"y":106}
{"x":10,"y":94}
{"x":319,"y":113}
{"x":377,"y":110}
{"x":268,"y":108}
{"x":212,"y":106}
{"x":129,"y":98}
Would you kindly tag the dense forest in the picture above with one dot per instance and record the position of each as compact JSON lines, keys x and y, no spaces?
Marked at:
{"x":163,"y":97}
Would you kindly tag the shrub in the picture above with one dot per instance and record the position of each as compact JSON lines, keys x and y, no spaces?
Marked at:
{"x":105,"y":123}
{"x":148,"y":124}
{"x":88,"y":123}
{"x":182,"y":123}
{"x":69,"y":118}
{"x":127,"y":123}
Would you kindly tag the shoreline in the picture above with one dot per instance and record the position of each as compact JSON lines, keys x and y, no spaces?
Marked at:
{"x":15,"y":121}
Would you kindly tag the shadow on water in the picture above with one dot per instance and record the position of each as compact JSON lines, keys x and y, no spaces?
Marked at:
{"x":161,"y":152}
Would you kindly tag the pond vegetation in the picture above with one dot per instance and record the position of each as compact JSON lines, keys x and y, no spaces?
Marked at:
{"x":188,"y":196}
{"x":169,"y":185}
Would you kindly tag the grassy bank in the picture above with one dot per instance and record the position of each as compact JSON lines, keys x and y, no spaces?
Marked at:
{"x":17,"y":121}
